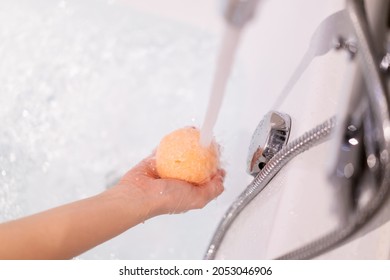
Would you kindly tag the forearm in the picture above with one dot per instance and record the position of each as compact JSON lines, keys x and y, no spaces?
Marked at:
{"x":67,"y":231}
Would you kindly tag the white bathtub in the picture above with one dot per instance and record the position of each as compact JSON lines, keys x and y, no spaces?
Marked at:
{"x":89,"y":87}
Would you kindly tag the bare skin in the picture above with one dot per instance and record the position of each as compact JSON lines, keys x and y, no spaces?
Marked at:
{"x":69,"y":230}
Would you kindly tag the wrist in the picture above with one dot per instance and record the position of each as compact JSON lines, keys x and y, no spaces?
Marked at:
{"x":137,"y":205}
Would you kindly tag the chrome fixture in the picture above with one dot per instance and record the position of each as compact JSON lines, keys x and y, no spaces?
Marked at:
{"x":367,"y":130}
{"x":312,"y":138}
{"x":334,"y":32}
{"x":270,"y":136}
{"x":363,"y":154}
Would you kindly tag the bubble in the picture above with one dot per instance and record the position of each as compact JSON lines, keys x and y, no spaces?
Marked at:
{"x":349,"y":170}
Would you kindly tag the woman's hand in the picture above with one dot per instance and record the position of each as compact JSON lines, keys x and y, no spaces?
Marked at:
{"x":68,"y":230}
{"x":167,"y":196}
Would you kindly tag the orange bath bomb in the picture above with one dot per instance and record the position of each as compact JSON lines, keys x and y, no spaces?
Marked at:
{"x":180,"y":156}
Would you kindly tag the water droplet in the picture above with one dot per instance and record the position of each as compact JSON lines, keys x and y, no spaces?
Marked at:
{"x":371,"y":160}
{"x":25,"y":113}
{"x":384,"y":156}
{"x":352,"y":128}
{"x":353,"y":141}
{"x":4,"y":173}
{"x":348,"y":170}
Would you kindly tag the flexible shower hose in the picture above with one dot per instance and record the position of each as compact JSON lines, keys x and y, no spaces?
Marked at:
{"x":292,"y":149}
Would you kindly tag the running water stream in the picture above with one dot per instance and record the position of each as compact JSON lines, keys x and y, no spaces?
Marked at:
{"x":221,"y":76}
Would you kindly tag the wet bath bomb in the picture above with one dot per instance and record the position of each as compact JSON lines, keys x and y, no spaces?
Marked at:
{"x":180,"y":156}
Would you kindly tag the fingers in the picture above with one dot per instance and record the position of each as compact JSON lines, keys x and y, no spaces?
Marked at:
{"x":180,"y":196}
{"x":172,"y":195}
{"x":213,"y":188}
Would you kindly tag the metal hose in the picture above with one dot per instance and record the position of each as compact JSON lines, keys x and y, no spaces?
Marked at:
{"x":337,"y":237}
{"x":298,"y":146}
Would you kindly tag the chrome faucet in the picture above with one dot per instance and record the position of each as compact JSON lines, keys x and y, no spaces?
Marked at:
{"x":270,"y":136}
{"x":363,"y":154}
